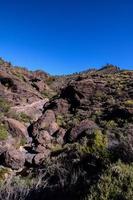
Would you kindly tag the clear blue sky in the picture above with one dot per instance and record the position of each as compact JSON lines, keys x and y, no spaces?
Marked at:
{"x":64,"y":36}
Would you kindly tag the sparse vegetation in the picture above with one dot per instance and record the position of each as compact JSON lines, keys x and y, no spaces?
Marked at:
{"x":23,"y":141}
{"x":115,"y":183}
{"x":99,"y":141}
{"x":56,"y":147}
{"x":48,"y":94}
{"x":4,"y":105}
{"x":60,"y":120}
{"x":129,"y":103}
{"x":3,"y":132}
{"x":111,"y":124}
{"x":3,"y":172}
{"x":23,"y":117}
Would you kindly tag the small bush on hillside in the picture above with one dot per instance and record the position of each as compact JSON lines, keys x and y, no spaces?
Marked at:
{"x":4,"y":105}
{"x":19,"y":116}
{"x":111,"y":124}
{"x":20,"y":76}
{"x":129,"y":103}
{"x":60,"y":120}
{"x":96,"y":144}
{"x":99,"y":142}
{"x":23,"y":141}
{"x":3,"y":172}
{"x":3,"y":132}
{"x":23,"y":117}
{"x":49,"y":94}
{"x":20,"y":142}
{"x":56,"y":147}
{"x":115,"y":184}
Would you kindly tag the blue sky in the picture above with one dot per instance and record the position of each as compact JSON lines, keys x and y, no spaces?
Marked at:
{"x":65,"y":36}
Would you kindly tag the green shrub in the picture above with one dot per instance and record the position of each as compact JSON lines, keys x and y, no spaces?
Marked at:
{"x":3,"y":132}
{"x":115,"y":184}
{"x":24,"y":118}
{"x":83,"y":149}
{"x":111,"y":124}
{"x":56,"y":147}
{"x":95,"y":144}
{"x":19,"y":116}
{"x":26,"y":181}
{"x":20,"y":76}
{"x":99,"y":142}
{"x":60,"y":120}
{"x":23,"y":141}
{"x":4,"y":105}
{"x":3,"y":172}
{"x":48,"y":94}
{"x":129,"y":103}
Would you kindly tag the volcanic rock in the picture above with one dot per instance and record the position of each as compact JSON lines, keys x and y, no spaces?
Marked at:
{"x":16,"y":128}
{"x":14,"y":159}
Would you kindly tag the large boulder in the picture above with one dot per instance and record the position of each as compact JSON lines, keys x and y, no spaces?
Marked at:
{"x":78,"y":93}
{"x":62,"y":106}
{"x":47,"y":122}
{"x":85,"y":127}
{"x":53,"y":127}
{"x":43,"y":138}
{"x":59,"y":136}
{"x":29,"y":158}
{"x":14,"y":159}
{"x":41,"y":148}
{"x":40,"y":85}
{"x":40,"y":157}
{"x":47,"y":118}
{"x":16,"y":128}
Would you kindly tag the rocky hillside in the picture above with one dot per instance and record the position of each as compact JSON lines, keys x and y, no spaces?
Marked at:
{"x":67,"y":137}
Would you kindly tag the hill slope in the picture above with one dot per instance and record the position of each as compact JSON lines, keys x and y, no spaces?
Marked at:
{"x":67,"y":137}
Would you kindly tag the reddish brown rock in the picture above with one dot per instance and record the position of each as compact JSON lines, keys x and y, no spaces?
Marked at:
{"x":40,"y":148}
{"x":45,"y":123}
{"x":14,"y":159}
{"x":78,"y":94}
{"x":53,"y":127}
{"x":60,"y":136}
{"x":41,"y":86}
{"x":16,"y":128}
{"x":40,"y":157}
{"x":85,"y":126}
{"x":2,"y":149}
{"x":62,"y":106}
{"x":29,"y":158}
{"x":47,"y":118}
{"x":16,"y":85}
{"x":43,"y":138}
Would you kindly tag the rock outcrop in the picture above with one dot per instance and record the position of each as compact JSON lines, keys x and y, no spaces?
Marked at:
{"x":16,"y":128}
{"x":14,"y":159}
{"x":84,"y":128}
{"x":33,"y":110}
